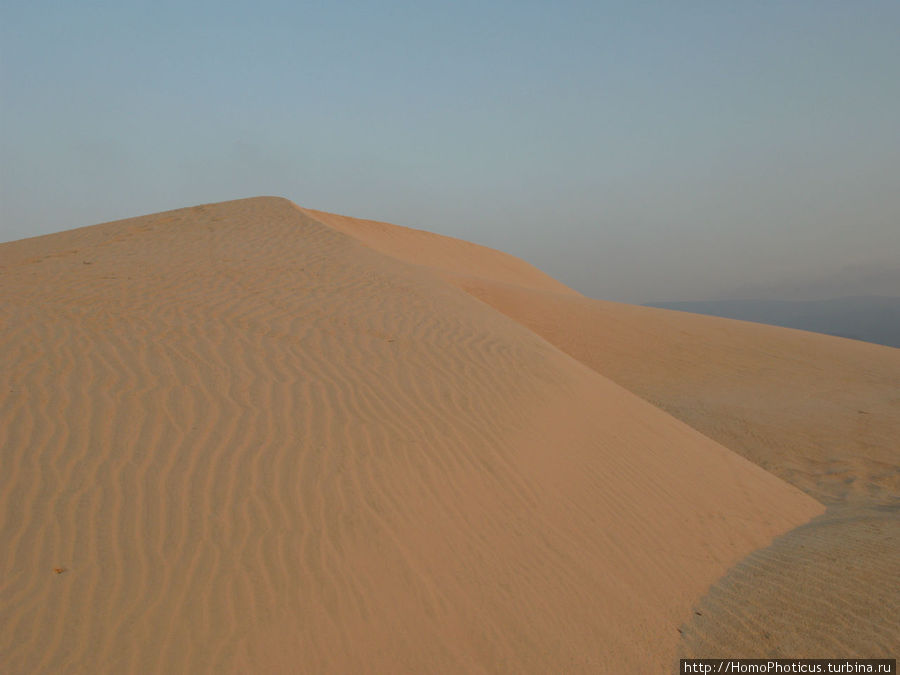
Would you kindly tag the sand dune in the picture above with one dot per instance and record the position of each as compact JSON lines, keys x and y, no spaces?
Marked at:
{"x":236,"y":439}
{"x":823,"y":413}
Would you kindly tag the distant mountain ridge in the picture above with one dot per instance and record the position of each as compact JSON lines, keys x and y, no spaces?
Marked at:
{"x":868,"y":318}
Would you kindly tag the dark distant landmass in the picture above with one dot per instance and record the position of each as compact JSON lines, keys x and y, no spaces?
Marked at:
{"x":868,"y":318}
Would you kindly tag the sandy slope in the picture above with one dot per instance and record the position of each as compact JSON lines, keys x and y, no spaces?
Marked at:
{"x":251,"y":443}
{"x":821,"y":412}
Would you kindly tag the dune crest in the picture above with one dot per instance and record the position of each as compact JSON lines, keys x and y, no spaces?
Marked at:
{"x":448,"y":256}
{"x":254,"y":444}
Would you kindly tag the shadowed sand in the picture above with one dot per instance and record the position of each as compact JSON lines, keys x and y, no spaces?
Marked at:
{"x":246,"y":437}
{"x":825,"y":588}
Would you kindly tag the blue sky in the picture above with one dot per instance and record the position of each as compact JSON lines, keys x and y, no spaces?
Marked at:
{"x":639,"y":151}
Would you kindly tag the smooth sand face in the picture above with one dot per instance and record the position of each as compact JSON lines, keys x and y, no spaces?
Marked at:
{"x":446,"y":256}
{"x":252,"y":440}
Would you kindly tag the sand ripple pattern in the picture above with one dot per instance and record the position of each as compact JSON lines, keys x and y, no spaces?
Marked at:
{"x":235,"y":439}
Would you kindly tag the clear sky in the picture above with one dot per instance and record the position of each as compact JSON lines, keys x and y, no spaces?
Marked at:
{"x":638,"y":151}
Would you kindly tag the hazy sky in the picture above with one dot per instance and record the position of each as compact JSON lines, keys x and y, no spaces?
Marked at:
{"x":638,"y":151}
